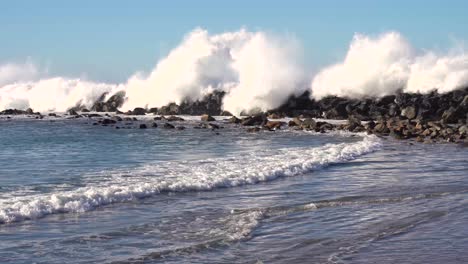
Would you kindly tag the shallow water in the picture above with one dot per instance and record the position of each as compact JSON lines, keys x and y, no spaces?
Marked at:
{"x":73,"y":192}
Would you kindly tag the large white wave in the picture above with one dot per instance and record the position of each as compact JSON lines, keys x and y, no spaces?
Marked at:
{"x":383,"y":65}
{"x":203,"y":175}
{"x":258,"y":71}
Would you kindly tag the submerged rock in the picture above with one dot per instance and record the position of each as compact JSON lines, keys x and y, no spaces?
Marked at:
{"x":168,"y":126}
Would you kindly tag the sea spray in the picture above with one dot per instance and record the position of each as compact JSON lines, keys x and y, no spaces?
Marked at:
{"x":387,"y":64}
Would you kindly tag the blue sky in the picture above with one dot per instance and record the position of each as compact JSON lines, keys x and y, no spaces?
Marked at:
{"x":108,"y":40}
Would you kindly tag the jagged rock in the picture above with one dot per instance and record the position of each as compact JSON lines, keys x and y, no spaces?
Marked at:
{"x":234,"y":120}
{"x":72,"y":112}
{"x":273,"y":125}
{"x":111,"y":105}
{"x":138,"y":111}
{"x":174,"y":119}
{"x":452,"y":115}
{"x":207,"y":118}
{"x":168,"y":126}
{"x":353,"y":123}
{"x":257,"y":120}
{"x":274,"y":116}
{"x":171,"y":109}
{"x":409,"y":112}
{"x":107,"y":121}
{"x":226,"y":113}
{"x":153,"y":110}
{"x":117,"y":118}
{"x":296,"y":121}
{"x":309,"y":123}
{"x":214,"y":126}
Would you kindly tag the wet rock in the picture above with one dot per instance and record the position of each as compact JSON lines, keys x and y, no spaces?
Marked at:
{"x":138,"y":111}
{"x":111,"y":105}
{"x":207,"y":118}
{"x":257,"y":120}
{"x":171,"y":109}
{"x":117,"y":118}
{"x":180,"y":128}
{"x":274,"y":116}
{"x":143,"y":126}
{"x":354,"y":123}
{"x":296,"y":121}
{"x":309,"y":123}
{"x":153,"y":110}
{"x":107,"y":121}
{"x":168,"y":126}
{"x":452,"y":115}
{"x":214,"y":126}
{"x":409,"y":112}
{"x":174,"y":119}
{"x":273,"y":125}
{"x":154,"y":125}
{"x":72,"y":112}
{"x":234,"y":120}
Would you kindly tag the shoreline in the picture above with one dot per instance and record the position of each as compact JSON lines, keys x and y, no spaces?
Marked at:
{"x":400,"y":129}
{"x":428,"y":118}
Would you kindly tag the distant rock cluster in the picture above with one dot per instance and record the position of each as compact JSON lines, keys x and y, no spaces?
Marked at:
{"x":422,"y":117}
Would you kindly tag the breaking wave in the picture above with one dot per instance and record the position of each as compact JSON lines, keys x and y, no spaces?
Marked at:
{"x":384,"y":65}
{"x":185,"y":176}
{"x":256,"y":69}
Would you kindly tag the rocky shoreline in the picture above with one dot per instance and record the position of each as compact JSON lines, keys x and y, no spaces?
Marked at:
{"x":425,"y":118}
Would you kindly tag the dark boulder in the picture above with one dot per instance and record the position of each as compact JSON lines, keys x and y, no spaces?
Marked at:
{"x":207,"y":118}
{"x":296,"y":121}
{"x":168,"y":126}
{"x":273,"y":125}
{"x":452,"y":115}
{"x":170,"y":109}
{"x":409,"y":112}
{"x":309,"y":123}
{"x":234,"y":120}
{"x":138,"y":111}
{"x":153,"y":110}
{"x":72,"y":112}
{"x":174,"y":119}
{"x":257,"y":120}
{"x":354,"y":123}
{"x":107,"y":121}
{"x":143,"y":126}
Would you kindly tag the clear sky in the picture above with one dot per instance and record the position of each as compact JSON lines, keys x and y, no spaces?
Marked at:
{"x":108,"y":40}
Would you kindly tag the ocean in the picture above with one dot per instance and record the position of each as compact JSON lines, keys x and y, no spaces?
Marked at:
{"x":73,"y":192}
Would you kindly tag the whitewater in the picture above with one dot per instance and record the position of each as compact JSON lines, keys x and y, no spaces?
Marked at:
{"x":257,"y":70}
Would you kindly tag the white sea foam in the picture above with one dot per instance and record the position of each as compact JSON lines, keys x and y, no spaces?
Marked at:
{"x":185,"y":176}
{"x":383,"y":65}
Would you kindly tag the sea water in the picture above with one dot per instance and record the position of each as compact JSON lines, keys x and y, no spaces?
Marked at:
{"x":73,"y":192}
